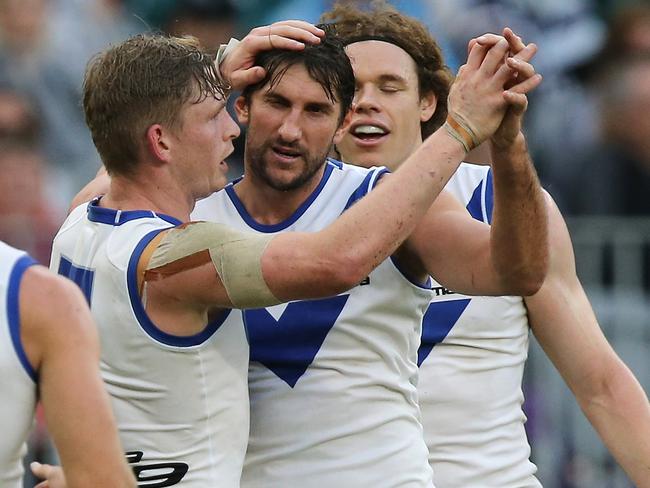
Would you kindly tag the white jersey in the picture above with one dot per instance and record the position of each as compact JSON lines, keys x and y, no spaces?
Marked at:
{"x":181,"y":403}
{"x":471,"y":365}
{"x":17,"y":378}
{"x":332,"y":381}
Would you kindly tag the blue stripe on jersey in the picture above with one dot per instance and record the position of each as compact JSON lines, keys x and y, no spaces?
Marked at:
{"x":439,"y":319}
{"x":241,"y":209}
{"x":13,"y":312}
{"x":489,"y":196}
{"x":115,"y":217}
{"x":289,"y":345}
{"x":145,"y":322}
{"x":84,"y":277}
{"x":475,"y":205}
{"x":366,"y":185}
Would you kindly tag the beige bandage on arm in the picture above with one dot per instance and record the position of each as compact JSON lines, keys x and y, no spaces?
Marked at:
{"x":236,"y":257}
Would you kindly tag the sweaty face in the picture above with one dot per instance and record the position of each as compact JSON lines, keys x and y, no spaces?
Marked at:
{"x":387,"y":109}
{"x":291,"y":126}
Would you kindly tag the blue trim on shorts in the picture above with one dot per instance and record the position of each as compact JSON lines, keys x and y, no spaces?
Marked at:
{"x":141,"y":315}
{"x":13,"y":312}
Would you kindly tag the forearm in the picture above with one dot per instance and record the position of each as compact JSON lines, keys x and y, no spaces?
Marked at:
{"x":519,"y":242}
{"x":621,"y":416}
{"x":375,"y":227}
{"x":341,"y":255}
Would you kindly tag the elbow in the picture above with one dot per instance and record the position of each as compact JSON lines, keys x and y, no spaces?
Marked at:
{"x":526,"y":281}
{"x":347,"y":272}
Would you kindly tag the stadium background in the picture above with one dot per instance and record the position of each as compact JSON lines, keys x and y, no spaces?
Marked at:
{"x":588,"y":129}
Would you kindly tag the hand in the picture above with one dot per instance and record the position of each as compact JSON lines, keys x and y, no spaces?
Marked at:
{"x":523,"y":81}
{"x":52,"y":475}
{"x":476,"y":98}
{"x":239,"y":68}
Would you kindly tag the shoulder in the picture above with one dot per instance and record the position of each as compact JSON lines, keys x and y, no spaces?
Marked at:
{"x":53,"y":310}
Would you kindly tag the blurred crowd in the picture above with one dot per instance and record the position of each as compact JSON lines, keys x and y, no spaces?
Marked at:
{"x":588,"y":125}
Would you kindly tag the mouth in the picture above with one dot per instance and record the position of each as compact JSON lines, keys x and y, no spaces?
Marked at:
{"x":368,"y":134}
{"x":286,"y":154}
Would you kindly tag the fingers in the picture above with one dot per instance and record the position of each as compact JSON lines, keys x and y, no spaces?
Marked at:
{"x":514,"y":41}
{"x":245,"y":77}
{"x":516,"y":71}
{"x":39,"y":470}
{"x":527,"y":53}
{"x":528,"y":85}
{"x":476,"y":56}
{"x":518,"y":102}
{"x":291,"y":34}
{"x":301,"y":24}
{"x":495,"y":57}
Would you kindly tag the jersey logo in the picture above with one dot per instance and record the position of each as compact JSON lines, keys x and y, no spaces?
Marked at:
{"x":438,"y":320}
{"x":162,"y":474}
{"x":81,"y":276}
{"x":288,"y":345}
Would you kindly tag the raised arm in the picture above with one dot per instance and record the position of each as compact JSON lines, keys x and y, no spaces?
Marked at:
{"x":608,"y":393}
{"x":61,"y":343}
{"x":511,"y":257}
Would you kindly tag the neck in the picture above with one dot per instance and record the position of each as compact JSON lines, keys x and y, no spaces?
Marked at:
{"x":145,"y":193}
{"x":269,"y":206}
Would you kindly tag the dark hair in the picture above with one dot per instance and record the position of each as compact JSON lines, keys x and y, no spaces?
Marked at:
{"x":325,"y":62}
{"x":142,"y":81}
{"x":383,"y":22}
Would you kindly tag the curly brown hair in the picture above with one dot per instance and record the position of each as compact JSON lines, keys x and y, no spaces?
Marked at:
{"x":384,"y":22}
{"x":139,"y":82}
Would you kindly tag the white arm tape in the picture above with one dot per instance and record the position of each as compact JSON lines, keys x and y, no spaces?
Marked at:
{"x":236,"y":257}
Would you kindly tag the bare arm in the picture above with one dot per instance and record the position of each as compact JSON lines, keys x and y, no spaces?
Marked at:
{"x":61,"y":342}
{"x":511,"y":257}
{"x":607,"y":391}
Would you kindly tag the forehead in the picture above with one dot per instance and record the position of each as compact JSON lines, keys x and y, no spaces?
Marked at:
{"x":297,"y":85}
{"x":372,"y":59}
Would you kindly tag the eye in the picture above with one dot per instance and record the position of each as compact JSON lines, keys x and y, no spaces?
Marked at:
{"x":389,"y":88}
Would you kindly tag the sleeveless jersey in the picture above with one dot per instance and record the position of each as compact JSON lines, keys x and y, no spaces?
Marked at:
{"x":332,"y":381}
{"x":18,"y":378}
{"x":471,"y":365}
{"x":181,"y":403}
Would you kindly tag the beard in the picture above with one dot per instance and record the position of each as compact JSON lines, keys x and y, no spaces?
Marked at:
{"x":259,"y":166}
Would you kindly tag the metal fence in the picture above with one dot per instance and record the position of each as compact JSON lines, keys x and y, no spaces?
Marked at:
{"x":612,"y":256}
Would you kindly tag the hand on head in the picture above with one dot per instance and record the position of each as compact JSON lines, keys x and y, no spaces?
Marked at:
{"x":239,"y":65}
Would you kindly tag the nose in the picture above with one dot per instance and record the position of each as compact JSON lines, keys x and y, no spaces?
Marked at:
{"x":290,"y":130}
{"x":232,"y":130}
{"x":365,"y":100}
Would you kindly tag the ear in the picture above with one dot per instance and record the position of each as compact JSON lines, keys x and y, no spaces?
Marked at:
{"x":428,"y":104}
{"x":343,"y":128}
{"x":159,"y":142}
{"x":242,"y":108}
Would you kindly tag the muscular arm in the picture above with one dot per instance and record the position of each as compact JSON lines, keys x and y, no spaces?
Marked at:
{"x":61,"y":343}
{"x":467,"y":256}
{"x":608,"y":393}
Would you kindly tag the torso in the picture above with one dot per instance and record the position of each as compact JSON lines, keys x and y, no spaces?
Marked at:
{"x":18,"y":378}
{"x":181,"y":403}
{"x":332,"y":382}
{"x":471,"y":365}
